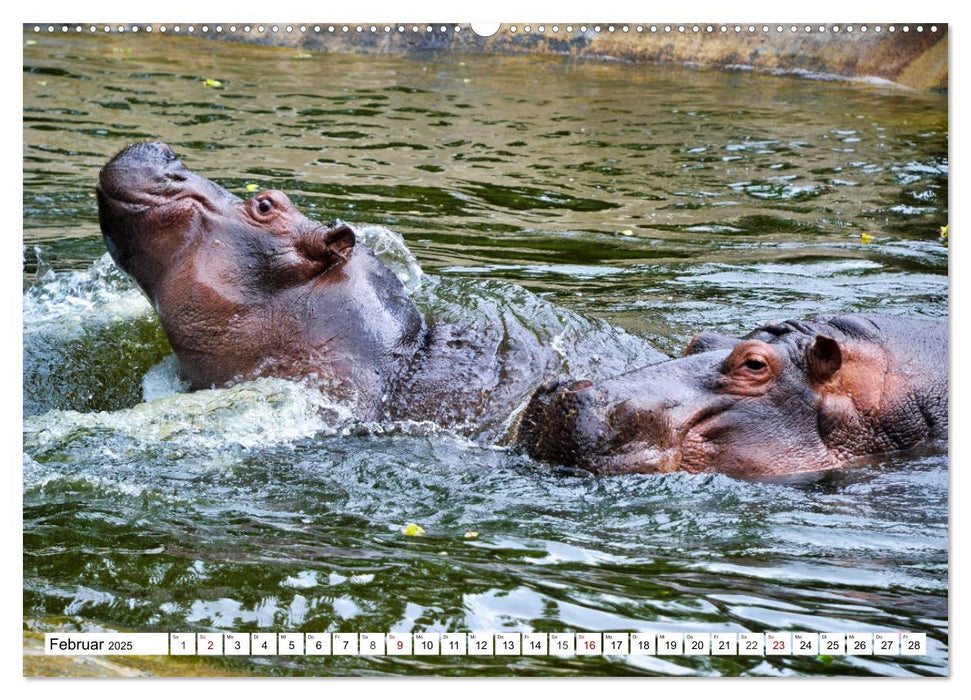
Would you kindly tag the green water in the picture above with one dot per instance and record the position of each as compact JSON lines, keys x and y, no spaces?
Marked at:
{"x":665,"y":201}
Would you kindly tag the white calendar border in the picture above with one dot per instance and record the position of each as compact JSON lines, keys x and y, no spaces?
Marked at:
{"x":505,"y":10}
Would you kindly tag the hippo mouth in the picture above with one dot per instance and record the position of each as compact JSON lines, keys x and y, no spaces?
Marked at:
{"x":579,"y":424}
{"x":647,"y":444}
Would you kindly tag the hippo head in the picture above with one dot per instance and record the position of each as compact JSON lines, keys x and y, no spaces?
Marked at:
{"x":786,"y":398}
{"x":253,"y":288}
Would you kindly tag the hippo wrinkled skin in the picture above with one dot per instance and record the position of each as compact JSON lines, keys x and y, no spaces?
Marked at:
{"x":253,"y":288}
{"x":798,"y":396}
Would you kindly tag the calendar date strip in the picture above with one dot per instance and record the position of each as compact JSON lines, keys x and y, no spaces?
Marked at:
{"x":565,"y":644}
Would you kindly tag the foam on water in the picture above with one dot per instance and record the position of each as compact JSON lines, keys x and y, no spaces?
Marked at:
{"x":101,"y":293}
{"x":258,"y":413}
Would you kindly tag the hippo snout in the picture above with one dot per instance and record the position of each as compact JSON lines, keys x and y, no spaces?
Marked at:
{"x":562,"y":422}
{"x":600,"y":427}
{"x":149,"y":174}
{"x":137,"y":157}
{"x":139,"y":171}
{"x":145,"y":152}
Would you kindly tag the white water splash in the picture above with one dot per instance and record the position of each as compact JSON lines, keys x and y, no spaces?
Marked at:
{"x":393,"y":251}
{"x":163,"y":380}
{"x":102,"y":292}
{"x":259,"y":413}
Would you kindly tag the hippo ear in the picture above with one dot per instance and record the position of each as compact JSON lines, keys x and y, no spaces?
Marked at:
{"x":325,"y":243}
{"x":823,"y":359}
{"x":341,"y":238}
{"x":703,"y":342}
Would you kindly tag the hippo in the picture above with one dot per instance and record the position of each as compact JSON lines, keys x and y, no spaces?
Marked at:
{"x":253,"y":288}
{"x":246,"y":289}
{"x":788,"y":398}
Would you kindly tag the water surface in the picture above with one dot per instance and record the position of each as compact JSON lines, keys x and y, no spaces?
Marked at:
{"x":664,"y":201}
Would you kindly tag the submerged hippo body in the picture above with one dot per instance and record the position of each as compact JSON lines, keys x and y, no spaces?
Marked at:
{"x":248,"y":289}
{"x":792,"y":397}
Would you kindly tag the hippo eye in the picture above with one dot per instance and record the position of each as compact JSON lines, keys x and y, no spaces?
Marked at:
{"x":264,"y":206}
{"x":750,"y":370}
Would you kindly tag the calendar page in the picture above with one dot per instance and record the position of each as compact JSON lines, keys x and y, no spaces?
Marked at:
{"x":545,"y":348}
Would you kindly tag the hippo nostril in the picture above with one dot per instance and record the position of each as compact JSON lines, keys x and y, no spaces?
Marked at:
{"x":580,"y":385}
{"x":138,"y":155}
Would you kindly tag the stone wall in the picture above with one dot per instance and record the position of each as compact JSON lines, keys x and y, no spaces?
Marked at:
{"x":916,"y":59}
